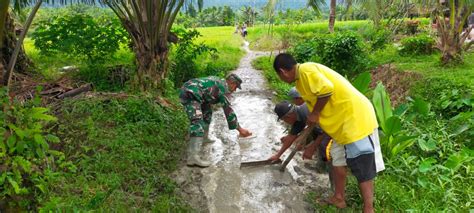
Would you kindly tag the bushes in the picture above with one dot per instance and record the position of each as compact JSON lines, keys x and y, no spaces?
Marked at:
{"x":342,"y":52}
{"x":264,"y":63}
{"x":417,"y":45}
{"x":27,"y":164}
{"x":80,"y":36}
{"x":183,"y":65}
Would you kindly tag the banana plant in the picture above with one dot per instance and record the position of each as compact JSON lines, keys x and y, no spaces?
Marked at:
{"x":392,"y":140}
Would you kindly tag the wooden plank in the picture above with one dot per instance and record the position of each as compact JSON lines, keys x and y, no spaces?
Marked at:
{"x":259,"y":163}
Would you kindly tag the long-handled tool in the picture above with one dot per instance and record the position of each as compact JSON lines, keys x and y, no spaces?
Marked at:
{"x":259,"y":163}
{"x":300,"y":140}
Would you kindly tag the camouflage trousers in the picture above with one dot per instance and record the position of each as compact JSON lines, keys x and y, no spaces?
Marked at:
{"x":199,"y":116}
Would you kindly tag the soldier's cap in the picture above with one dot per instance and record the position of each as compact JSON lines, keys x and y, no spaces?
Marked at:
{"x":283,"y":108}
{"x":293,"y":93}
{"x":233,"y":77}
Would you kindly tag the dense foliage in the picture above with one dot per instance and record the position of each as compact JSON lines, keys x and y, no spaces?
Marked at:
{"x":184,"y":66}
{"x":426,"y":144}
{"x":417,"y":45}
{"x":81,"y":36}
{"x":27,"y":163}
{"x":342,"y":52}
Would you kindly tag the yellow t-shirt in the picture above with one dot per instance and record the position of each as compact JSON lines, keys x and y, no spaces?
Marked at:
{"x":348,"y":116}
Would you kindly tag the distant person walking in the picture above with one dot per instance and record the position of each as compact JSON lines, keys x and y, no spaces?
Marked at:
{"x":244,"y":30}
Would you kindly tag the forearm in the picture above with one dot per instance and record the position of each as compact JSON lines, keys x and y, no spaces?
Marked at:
{"x":231,"y":118}
{"x":286,"y":144}
{"x":320,"y":103}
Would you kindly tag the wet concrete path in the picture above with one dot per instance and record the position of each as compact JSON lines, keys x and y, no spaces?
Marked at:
{"x":224,"y":187}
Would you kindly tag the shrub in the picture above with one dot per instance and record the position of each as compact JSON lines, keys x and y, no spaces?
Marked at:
{"x":106,"y":78}
{"x":342,"y":52}
{"x":80,"y":36}
{"x":417,"y":45}
{"x":378,"y":39}
{"x":27,"y":163}
{"x":183,"y":65}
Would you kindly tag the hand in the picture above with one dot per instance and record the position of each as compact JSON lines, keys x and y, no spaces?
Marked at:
{"x":312,"y":118}
{"x":274,"y":157}
{"x":243,"y":132}
{"x":308,"y":154}
{"x":288,"y":139}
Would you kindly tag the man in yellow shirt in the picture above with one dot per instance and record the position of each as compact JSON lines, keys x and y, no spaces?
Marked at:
{"x":344,"y":114}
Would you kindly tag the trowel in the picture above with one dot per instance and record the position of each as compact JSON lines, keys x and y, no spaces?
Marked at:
{"x":260,"y":163}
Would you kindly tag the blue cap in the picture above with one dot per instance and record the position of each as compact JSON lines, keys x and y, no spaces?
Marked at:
{"x":293,"y":93}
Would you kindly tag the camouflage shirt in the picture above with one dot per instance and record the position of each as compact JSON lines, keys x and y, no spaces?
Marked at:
{"x":210,"y":90}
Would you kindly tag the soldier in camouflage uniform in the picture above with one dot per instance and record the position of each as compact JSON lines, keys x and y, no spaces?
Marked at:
{"x":197,"y":95}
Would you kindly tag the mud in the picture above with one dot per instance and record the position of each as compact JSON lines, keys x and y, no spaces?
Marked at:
{"x":224,"y":187}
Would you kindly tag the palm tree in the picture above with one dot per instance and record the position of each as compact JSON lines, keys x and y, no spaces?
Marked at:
{"x":148,"y":23}
{"x":450,"y":16}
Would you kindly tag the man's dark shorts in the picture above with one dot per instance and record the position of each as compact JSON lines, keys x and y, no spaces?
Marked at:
{"x":360,"y":158}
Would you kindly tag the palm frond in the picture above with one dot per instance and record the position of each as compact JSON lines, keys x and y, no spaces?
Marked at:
{"x":18,"y":4}
{"x":317,"y":5}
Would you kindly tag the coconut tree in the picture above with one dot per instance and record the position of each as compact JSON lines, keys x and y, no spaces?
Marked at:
{"x":450,"y":17}
{"x":148,"y":23}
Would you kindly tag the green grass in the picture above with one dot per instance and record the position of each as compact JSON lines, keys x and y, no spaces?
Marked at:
{"x":260,"y":38}
{"x":124,"y":150}
{"x":265,"y":64}
{"x":429,"y":66}
{"x":228,"y":46}
{"x":49,"y":66}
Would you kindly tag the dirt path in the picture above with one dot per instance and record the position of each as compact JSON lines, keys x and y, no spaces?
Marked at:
{"x":224,"y":187}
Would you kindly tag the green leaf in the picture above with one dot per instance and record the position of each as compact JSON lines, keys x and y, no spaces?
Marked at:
{"x":20,"y":146}
{"x":40,"y":152}
{"x":39,"y":113}
{"x":393,"y":125}
{"x":3,"y":176}
{"x":427,"y":146}
{"x":11,"y":141}
{"x":39,"y":139}
{"x":362,"y":82}
{"x":52,"y":138}
{"x":422,"y":181}
{"x":400,"y":110}
{"x":426,"y":165}
{"x":23,"y":163}
{"x":421,"y":106}
{"x":401,"y":143}
{"x":41,"y":188}
{"x":455,"y":161}
{"x":382,"y":105}
{"x":14,"y":184}
{"x":462,"y":128}
{"x":21,"y":134}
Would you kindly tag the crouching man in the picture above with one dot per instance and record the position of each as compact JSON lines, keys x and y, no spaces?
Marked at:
{"x":197,"y":95}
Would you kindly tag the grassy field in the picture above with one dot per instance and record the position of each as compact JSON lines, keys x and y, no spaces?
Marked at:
{"x":228,"y":46}
{"x":429,"y":66}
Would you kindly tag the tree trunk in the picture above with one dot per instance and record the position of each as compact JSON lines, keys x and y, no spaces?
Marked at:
{"x":151,"y":68}
{"x":332,"y":15}
{"x":3,"y":16}
{"x":23,"y":63}
{"x":19,"y":45}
